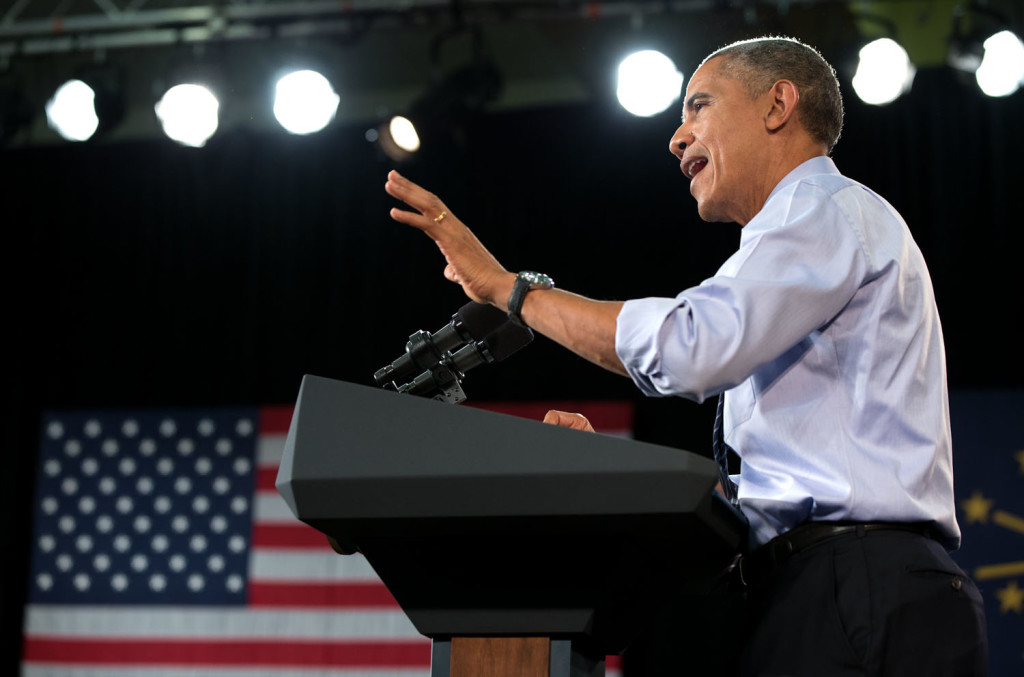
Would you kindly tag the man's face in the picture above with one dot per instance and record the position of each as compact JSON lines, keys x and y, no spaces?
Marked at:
{"x":721,"y":147}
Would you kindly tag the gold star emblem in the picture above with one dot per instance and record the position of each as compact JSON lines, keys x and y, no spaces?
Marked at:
{"x":977,"y":507}
{"x":1011,"y":598}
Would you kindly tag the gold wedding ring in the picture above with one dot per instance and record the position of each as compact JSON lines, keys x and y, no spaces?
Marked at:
{"x":440,"y":217}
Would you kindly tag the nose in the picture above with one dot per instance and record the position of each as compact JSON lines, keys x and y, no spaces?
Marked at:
{"x":677,"y":144}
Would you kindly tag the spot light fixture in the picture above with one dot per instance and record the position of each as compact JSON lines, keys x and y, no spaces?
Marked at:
{"x":1001,"y":71}
{"x":304,"y":102}
{"x":981,"y":45}
{"x":440,"y":111}
{"x":443,"y":109}
{"x":86,"y":105}
{"x":71,"y":112}
{"x":648,"y":83}
{"x":884,"y":72}
{"x":397,"y":138}
{"x":188,"y":114}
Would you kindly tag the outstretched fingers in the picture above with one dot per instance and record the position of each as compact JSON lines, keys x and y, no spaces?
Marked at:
{"x":469,"y":264}
{"x":431,"y":211}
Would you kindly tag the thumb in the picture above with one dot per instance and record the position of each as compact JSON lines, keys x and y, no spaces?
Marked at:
{"x":568,"y":420}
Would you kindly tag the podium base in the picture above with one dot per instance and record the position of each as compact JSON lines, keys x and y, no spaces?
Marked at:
{"x":512,"y":657}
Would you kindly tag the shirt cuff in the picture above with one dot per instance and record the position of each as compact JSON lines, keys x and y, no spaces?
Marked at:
{"x":637,"y":340}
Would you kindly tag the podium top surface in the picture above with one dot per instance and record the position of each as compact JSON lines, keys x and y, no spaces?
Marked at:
{"x":359,"y":444}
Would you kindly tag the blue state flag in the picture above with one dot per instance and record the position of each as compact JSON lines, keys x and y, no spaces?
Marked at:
{"x":988,"y":456}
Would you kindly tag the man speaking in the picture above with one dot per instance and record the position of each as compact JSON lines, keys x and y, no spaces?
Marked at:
{"x":822,"y":332}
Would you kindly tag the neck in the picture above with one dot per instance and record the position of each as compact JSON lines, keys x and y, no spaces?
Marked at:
{"x":777,"y":167}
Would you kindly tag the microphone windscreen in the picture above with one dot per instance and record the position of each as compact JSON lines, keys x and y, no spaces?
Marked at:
{"x":480,"y":319}
{"x":508,"y":339}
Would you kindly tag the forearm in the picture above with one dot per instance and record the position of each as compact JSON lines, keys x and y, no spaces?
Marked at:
{"x":584,"y":326}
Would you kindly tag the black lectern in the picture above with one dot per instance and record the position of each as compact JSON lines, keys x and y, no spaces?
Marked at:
{"x":485,"y":526}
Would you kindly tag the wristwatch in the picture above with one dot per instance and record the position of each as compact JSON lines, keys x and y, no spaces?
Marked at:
{"x":526,"y":281}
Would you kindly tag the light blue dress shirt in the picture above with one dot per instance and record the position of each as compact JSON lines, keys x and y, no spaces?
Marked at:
{"x":823,"y":330}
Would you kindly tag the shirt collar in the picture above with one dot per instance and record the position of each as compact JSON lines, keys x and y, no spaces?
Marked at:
{"x":821,"y":164}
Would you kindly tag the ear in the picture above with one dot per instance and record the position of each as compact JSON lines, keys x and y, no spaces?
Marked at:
{"x":783,"y":97}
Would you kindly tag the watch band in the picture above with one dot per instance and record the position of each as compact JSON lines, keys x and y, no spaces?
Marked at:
{"x":525,"y":281}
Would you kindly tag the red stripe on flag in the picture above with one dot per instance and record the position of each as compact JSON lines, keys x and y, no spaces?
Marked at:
{"x":297,"y":535}
{"x":268,"y":652}
{"x":321,"y":595}
{"x":275,"y":420}
{"x":266,"y":476}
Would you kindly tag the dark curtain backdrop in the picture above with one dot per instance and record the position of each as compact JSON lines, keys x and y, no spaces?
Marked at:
{"x":144,"y":274}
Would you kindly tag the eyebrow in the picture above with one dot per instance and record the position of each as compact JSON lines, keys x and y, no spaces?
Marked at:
{"x":689,"y":102}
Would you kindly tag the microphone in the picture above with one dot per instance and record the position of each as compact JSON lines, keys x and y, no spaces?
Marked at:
{"x":507,"y":339}
{"x":472,"y":322}
{"x":502,"y":342}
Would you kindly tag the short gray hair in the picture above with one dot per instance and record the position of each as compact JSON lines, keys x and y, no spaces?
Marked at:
{"x":760,"y":63}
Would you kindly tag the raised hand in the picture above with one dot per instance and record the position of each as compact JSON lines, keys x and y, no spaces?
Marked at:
{"x":469,"y":263}
{"x":582,"y":325}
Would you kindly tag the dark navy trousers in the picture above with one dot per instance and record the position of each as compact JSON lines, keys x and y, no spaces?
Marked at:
{"x":870,"y":604}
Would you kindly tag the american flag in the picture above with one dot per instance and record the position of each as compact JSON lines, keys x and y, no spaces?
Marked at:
{"x":161,"y":548}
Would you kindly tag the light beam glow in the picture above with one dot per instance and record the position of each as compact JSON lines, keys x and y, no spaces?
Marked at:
{"x":305,"y":102}
{"x":72,"y":111}
{"x":188,"y":114}
{"x":1001,"y":72}
{"x":648,"y":83}
{"x":403,"y":133}
{"x":883,"y":73}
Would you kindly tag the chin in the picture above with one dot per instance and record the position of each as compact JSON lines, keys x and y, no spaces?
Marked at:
{"x":709,"y":213}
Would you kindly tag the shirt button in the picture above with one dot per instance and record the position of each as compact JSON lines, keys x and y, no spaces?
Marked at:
{"x":957,"y":583}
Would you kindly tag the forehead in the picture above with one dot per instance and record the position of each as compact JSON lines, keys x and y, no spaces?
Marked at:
{"x":711,"y":82}
{"x":708,"y":78}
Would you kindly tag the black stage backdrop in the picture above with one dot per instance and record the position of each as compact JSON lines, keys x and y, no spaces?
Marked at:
{"x":145,"y":274}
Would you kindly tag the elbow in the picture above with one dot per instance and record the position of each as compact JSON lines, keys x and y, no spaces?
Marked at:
{"x":691,"y":384}
{"x":692,"y":364}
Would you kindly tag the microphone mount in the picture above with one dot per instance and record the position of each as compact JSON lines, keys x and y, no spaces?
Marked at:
{"x":440,"y":367}
{"x":440,"y":382}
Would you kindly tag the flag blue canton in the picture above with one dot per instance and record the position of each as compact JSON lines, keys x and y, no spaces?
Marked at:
{"x":144,"y":508}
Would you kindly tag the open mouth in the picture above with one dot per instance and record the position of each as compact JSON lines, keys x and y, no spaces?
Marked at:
{"x":693,"y":166}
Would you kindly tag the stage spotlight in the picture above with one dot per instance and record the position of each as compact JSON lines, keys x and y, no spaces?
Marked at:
{"x":403,"y":132}
{"x":304,"y":102}
{"x":71,"y":112}
{"x":883,"y":73}
{"x":648,"y":83}
{"x":397,"y":138}
{"x":87,"y":105}
{"x":441,"y":111}
{"x":188,"y":113}
{"x":1001,"y":72}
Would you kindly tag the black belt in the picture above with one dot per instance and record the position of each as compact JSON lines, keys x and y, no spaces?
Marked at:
{"x":755,"y":567}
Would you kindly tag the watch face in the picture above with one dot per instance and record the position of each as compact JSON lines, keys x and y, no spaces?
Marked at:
{"x":537,"y":279}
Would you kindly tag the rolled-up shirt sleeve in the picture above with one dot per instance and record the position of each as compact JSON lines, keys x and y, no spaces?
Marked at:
{"x":800,"y":262}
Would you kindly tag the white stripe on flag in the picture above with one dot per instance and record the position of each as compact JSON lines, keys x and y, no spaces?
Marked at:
{"x":269,"y":507}
{"x":270,"y":449}
{"x":290,"y":565}
{"x":181,"y":623}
